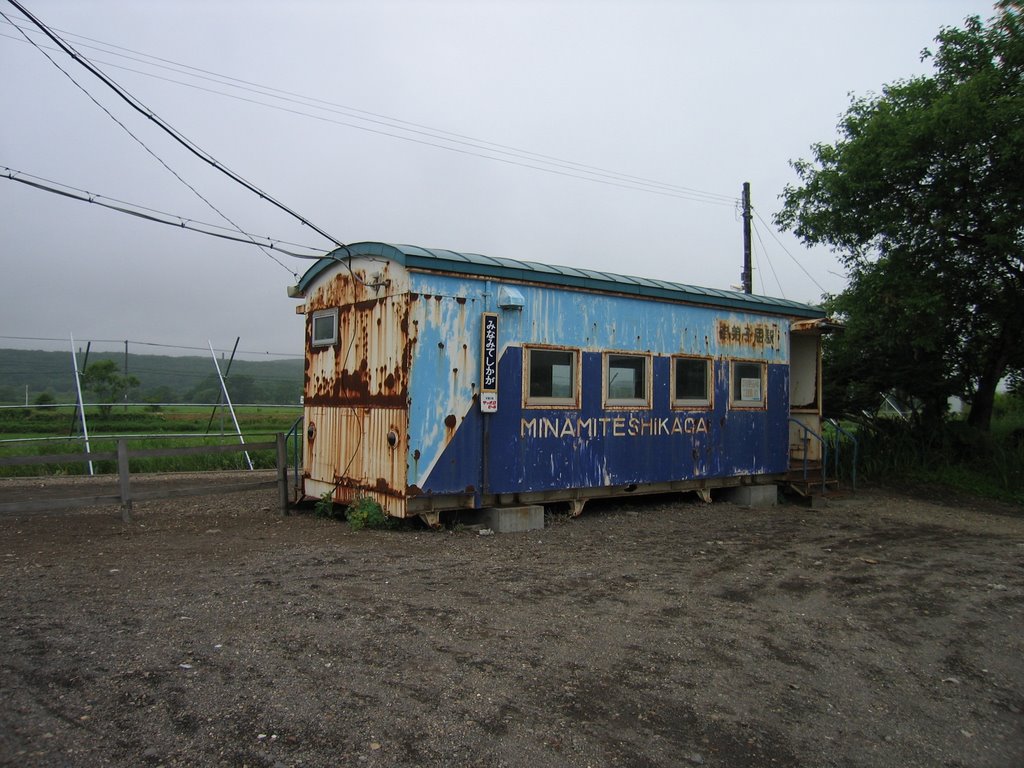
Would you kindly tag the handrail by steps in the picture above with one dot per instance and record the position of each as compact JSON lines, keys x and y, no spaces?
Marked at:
{"x":296,"y":453}
{"x":853,"y":439}
{"x":808,"y":434}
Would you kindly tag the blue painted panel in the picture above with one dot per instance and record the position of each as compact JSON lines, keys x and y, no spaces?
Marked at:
{"x":533,"y":449}
{"x":604,"y":321}
{"x":544,"y":449}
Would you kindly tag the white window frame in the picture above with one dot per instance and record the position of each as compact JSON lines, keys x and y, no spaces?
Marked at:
{"x":703,"y":403}
{"x":535,"y":401}
{"x":320,"y":314}
{"x":626,"y":402}
{"x":736,"y":400}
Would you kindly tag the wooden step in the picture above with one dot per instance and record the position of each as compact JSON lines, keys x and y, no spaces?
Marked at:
{"x":812,"y":483}
{"x":812,"y":487}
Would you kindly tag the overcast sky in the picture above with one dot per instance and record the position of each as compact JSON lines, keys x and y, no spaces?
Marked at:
{"x":692,"y":95}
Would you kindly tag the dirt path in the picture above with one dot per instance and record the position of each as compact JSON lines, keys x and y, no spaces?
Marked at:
{"x":881,"y":631}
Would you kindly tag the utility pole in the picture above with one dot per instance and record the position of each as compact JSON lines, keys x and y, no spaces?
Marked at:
{"x":126,"y":375}
{"x":747,"y":277}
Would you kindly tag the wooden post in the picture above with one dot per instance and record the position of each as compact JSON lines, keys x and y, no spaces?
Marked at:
{"x":748,"y":270}
{"x":124,"y":480}
{"x":282,"y":472}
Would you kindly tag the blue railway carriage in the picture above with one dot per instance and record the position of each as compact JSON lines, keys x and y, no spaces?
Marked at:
{"x":440,"y":381}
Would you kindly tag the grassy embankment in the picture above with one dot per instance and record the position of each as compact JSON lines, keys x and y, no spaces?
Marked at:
{"x":36,"y":431}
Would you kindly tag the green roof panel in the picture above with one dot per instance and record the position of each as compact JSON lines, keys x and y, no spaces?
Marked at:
{"x":440,"y":260}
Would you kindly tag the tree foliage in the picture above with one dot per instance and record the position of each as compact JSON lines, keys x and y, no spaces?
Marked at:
{"x":922,"y":198}
{"x":107,"y":383}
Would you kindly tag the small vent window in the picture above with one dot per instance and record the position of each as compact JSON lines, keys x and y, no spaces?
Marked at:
{"x":325,"y":327}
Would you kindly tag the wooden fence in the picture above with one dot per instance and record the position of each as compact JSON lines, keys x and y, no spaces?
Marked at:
{"x":126,"y":495}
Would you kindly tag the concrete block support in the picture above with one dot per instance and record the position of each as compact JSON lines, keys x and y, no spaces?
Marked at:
{"x":753,"y":495}
{"x":513,"y":519}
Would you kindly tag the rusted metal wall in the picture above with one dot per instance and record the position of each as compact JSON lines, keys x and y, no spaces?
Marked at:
{"x":357,"y":389}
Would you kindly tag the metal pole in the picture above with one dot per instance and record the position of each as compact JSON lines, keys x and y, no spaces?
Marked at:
{"x":227,"y":399}
{"x":126,"y":374}
{"x":81,"y":405}
{"x":220,"y":398}
{"x":85,"y":363}
{"x":748,"y":268}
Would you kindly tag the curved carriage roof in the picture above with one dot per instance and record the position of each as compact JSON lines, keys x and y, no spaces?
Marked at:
{"x":477,"y":265}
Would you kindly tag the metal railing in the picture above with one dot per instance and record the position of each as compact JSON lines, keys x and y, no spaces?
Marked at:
{"x":808,"y":434}
{"x":296,"y":430}
{"x":840,"y":434}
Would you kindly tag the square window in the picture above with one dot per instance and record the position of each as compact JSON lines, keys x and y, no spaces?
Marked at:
{"x":325,"y":327}
{"x":691,"y":382}
{"x":626,"y":378}
{"x":748,"y":385}
{"x":551,"y":377}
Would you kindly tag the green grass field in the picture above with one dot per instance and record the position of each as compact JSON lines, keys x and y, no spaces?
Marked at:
{"x":36,"y":431}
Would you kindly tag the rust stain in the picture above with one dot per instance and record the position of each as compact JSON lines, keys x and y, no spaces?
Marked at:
{"x":357,"y":389}
{"x":381,"y":486}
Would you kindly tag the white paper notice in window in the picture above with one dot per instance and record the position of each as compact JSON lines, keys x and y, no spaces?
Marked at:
{"x":750,"y":390}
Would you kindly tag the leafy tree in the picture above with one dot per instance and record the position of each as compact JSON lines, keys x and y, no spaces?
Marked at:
{"x":44,"y":398}
{"x":922,"y":198}
{"x":161,"y":394}
{"x":104,"y":380}
{"x":241,"y":387}
{"x":206,"y":391}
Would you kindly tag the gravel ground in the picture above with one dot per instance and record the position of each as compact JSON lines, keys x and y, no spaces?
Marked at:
{"x":882,"y":630}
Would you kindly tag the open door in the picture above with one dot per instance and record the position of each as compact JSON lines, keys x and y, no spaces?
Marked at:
{"x":805,"y":389}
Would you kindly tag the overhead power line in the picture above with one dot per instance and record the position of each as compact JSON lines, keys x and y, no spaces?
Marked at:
{"x":771,"y":231}
{"x":416,"y":132}
{"x":771,"y":266}
{"x":153,"y":154}
{"x":150,"y":214}
{"x":184,"y":141}
{"x":64,"y":340}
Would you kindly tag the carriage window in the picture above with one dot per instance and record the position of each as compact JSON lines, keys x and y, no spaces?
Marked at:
{"x":325,"y":327}
{"x":626,"y":378}
{"x":748,"y":383}
{"x":691,"y":382}
{"x":551,"y":377}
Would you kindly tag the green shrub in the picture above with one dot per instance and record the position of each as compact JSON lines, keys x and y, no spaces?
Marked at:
{"x":949,"y":454}
{"x":324,"y":506}
{"x":364,"y":512}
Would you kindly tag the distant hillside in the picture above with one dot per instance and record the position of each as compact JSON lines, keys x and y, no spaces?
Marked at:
{"x":162,"y":378}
